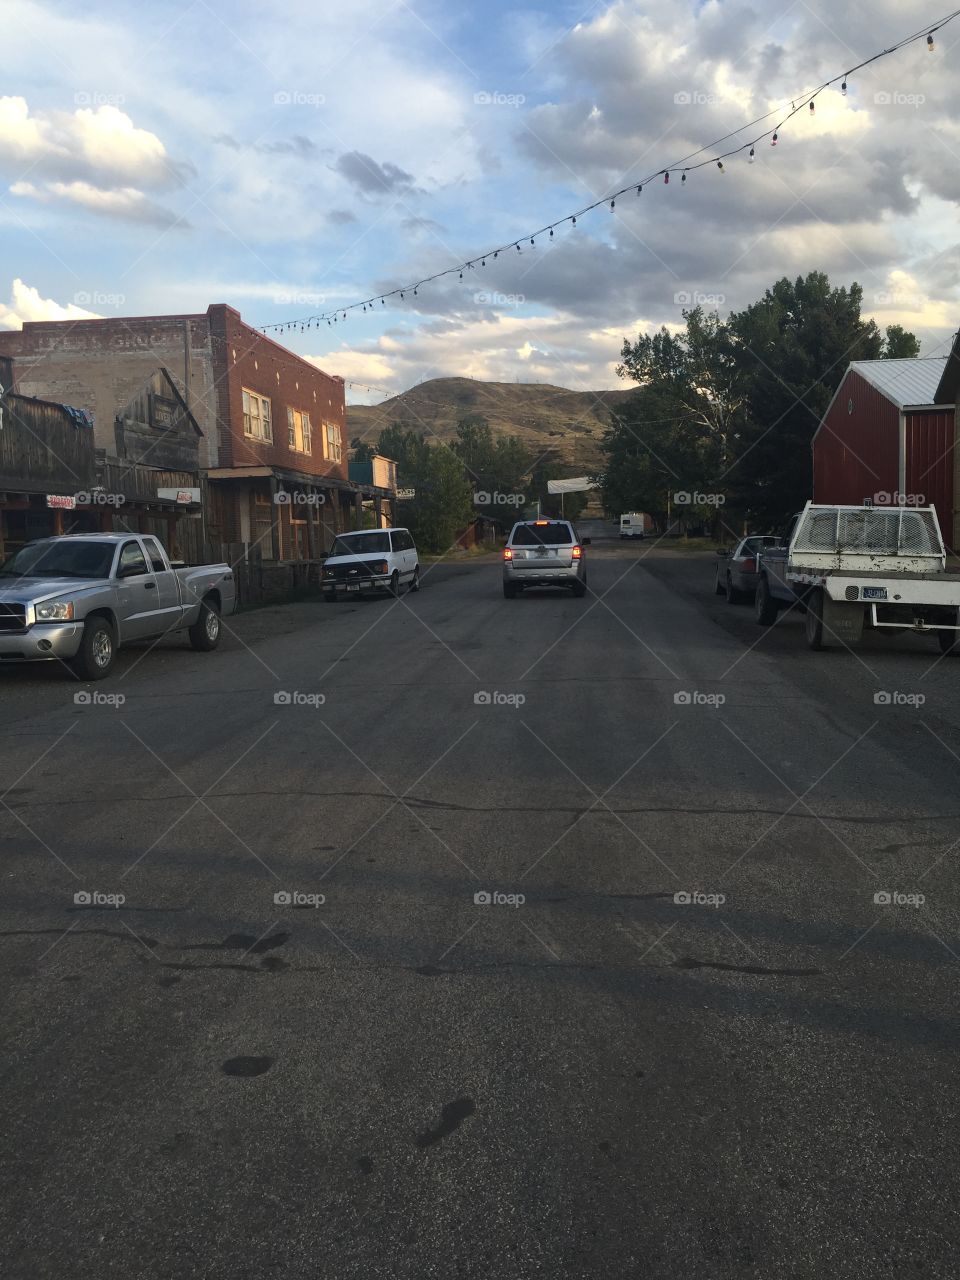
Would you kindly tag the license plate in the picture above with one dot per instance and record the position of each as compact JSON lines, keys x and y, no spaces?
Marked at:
{"x":874,"y":593}
{"x":353,"y":586}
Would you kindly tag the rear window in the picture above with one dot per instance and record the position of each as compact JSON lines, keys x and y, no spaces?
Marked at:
{"x":553,"y":533}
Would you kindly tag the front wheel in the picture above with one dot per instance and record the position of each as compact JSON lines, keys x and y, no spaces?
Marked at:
{"x":205,"y":632}
{"x":415,"y":581}
{"x":765,"y":607}
{"x":98,"y":649}
{"x":734,"y":595}
{"x":395,"y":585}
{"x":718,"y":588}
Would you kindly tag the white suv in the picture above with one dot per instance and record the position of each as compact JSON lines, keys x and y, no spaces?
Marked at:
{"x":371,"y":560}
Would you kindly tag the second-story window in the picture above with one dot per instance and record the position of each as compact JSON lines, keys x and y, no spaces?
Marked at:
{"x":299,"y":431}
{"x":333,"y":446}
{"x":256,"y":416}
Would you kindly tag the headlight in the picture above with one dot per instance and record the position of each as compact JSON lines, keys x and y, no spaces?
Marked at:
{"x":55,"y":611}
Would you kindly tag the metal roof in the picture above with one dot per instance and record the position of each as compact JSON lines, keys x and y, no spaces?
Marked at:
{"x":904,"y":382}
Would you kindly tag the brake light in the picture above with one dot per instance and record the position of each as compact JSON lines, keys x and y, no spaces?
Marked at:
{"x":749,"y":566}
{"x":541,"y":523}
{"x":577,"y":552}
{"x":507,"y":553}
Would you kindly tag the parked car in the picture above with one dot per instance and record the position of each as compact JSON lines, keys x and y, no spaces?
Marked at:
{"x":544,"y":553}
{"x":81,"y":597}
{"x":371,"y":560}
{"x":850,"y":568}
{"x":737,"y":570}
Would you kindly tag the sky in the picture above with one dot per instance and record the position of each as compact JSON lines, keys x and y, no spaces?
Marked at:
{"x":292,"y":158}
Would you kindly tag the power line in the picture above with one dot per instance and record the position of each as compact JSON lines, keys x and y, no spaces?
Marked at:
{"x":688,"y":164}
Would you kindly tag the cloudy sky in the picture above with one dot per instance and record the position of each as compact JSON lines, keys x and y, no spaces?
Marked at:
{"x":291,"y":157}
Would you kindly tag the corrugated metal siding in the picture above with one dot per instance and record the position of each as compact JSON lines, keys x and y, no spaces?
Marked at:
{"x":856,"y":455}
{"x":904,"y":381}
{"x":930,"y":438}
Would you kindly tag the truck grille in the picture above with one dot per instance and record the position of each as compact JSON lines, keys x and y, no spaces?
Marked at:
{"x":346,"y":572}
{"x":13,"y":617}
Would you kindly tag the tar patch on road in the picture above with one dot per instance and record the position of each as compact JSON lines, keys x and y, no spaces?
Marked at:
{"x":244,"y":942}
{"x":451,"y":1117}
{"x":246,"y":1067}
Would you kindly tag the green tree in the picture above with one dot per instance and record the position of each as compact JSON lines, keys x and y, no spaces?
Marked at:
{"x":792,"y":350}
{"x":899,"y":344}
{"x":442,"y":506}
{"x":498,"y":468}
{"x":362,"y":451}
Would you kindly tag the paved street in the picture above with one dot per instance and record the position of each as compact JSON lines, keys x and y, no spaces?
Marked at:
{"x":400,"y":1082}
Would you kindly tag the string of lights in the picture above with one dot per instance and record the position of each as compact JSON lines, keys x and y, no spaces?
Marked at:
{"x":688,"y":164}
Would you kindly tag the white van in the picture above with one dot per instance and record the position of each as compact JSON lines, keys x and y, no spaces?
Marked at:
{"x":633,"y":524}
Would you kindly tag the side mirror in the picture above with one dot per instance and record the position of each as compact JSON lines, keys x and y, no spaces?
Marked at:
{"x":723,"y":554}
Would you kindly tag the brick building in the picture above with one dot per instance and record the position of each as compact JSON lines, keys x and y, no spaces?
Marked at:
{"x":271,"y":425}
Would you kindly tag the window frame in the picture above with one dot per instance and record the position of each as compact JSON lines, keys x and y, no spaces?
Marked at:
{"x":332,"y":450}
{"x":299,"y":418}
{"x":257,"y":426}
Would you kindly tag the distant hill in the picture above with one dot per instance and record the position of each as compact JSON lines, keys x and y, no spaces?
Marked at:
{"x":552,"y":421}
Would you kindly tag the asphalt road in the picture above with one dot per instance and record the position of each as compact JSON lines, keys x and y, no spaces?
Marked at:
{"x":595,"y":1081}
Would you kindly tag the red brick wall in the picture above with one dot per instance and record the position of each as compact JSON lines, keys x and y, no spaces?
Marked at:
{"x":247,"y":359}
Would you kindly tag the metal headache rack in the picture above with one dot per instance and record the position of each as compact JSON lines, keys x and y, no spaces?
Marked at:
{"x":869,"y":531}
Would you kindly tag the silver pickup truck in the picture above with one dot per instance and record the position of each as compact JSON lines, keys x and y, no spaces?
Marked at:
{"x":77,"y":599}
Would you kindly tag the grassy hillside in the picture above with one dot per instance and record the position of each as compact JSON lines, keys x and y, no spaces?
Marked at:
{"x":551,"y":421}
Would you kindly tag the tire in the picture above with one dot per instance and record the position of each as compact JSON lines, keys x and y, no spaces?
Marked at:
{"x":718,"y":587}
{"x":415,"y":580}
{"x":510,"y":590}
{"x":734,"y":594}
{"x":97,"y":652}
{"x":205,"y":632}
{"x":394,"y":587}
{"x":765,"y":607}
{"x":580,"y":589}
{"x":813,"y":622}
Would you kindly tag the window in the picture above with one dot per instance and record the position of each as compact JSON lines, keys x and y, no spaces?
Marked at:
{"x":299,"y":431}
{"x":132,"y":562}
{"x":155,"y":554}
{"x":333,"y":448}
{"x":401,"y":540}
{"x":361,"y":544}
{"x":548,"y":534}
{"x":256,"y":416}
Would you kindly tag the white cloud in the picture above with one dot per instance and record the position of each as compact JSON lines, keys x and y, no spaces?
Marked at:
{"x":122,"y":202}
{"x":27,"y":304}
{"x":101,"y":144}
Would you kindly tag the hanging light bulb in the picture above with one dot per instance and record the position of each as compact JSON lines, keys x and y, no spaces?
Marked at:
{"x":752,"y":156}
{"x":930,"y":45}
{"x":843,"y":87}
{"x":531,"y":239}
{"x":574,"y":220}
{"x":720,"y":166}
{"x":774,"y":139}
{"x":683,"y":179}
{"x":401,"y":295}
{"x":518,"y":247}
{"x":813,"y":108}
{"x":639,"y":189}
{"x":666,"y":178}
{"x":551,"y":233}
{"x":461,"y":275}
{"x":613,"y":204}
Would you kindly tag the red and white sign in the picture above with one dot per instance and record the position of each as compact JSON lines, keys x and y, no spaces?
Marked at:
{"x":61,"y":502}
{"x":182,"y":497}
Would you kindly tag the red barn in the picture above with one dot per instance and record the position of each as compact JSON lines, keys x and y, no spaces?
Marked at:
{"x":887,"y":437}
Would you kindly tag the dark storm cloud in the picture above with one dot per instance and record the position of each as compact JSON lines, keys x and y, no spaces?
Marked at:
{"x":364,"y":173}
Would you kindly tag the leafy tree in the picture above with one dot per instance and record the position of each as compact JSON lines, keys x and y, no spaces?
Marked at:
{"x":498,"y":466}
{"x":900,"y":345}
{"x":362,"y":451}
{"x":793,"y":348}
{"x":442,"y":506}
